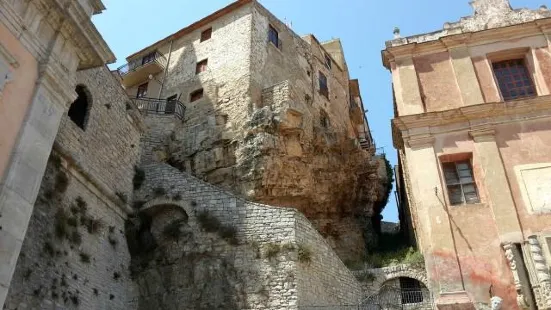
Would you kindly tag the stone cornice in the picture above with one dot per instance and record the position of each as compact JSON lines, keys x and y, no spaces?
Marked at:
{"x":475,"y":112}
{"x":420,"y":141}
{"x":451,"y":39}
{"x":483,"y":134}
{"x":478,"y":120}
{"x":77,"y":27}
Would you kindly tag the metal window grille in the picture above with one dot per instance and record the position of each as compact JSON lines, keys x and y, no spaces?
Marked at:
{"x":460,"y":182}
{"x":513,"y":79}
{"x":324,"y":89}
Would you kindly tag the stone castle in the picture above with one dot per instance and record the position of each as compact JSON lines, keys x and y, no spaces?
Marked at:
{"x":230,"y":165}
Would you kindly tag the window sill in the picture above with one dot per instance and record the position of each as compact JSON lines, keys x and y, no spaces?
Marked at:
{"x":519,"y":98}
{"x":470,"y":205}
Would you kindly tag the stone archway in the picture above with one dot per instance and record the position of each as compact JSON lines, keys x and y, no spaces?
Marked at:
{"x":385,"y":274}
{"x":153,"y":206}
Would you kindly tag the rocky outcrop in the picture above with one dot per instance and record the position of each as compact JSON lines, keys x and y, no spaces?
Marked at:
{"x":288,"y":154}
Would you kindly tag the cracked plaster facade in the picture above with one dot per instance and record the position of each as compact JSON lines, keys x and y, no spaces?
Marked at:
{"x":448,"y":108}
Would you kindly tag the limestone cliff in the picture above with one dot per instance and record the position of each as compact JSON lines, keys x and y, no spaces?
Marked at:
{"x":289,"y":156}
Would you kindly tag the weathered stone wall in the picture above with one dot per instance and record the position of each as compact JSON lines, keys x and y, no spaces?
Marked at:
{"x":325,"y":280}
{"x":109,"y":146}
{"x":204,"y":144}
{"x":275,"y":260}
{"x":74,"y":253}
{"x":154,"y":144}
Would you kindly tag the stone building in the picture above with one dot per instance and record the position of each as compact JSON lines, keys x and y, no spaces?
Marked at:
{"x":42,"y":45}
{"x":269,"y":115}
{"x":473,"y":132}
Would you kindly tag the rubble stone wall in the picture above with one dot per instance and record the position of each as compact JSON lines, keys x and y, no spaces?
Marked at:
{"x":264,"y":268}
{"x":74,"y":254}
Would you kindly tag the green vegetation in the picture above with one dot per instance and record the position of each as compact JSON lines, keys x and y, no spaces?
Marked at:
{"x":208,"y":222}
{"x":271,"y":250}
{"x":365,"y":276}
{"x":61,"y":182}
{"x":228,"y":233}
{"x":304,"y":254}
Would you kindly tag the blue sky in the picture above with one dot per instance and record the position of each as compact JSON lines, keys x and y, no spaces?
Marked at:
{"x":362,"y":25}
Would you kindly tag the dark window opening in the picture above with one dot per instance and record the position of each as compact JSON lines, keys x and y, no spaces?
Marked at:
{"x":273,"y":36}
{"x":324,"y":89}
{"x":78,"y":112}
{"x":196,"y":95}
{"x":513,"y":79}
{"x":201,"y":66}
{"x":328,"y":62}
{"x":142,"y":91}
{"x":148,"y":58}
{"x":324,"y":122}
{"x":206,"y":34}
{"x":460,"y":182}
{"x":411,"y":291}
{"x":170,"y":107}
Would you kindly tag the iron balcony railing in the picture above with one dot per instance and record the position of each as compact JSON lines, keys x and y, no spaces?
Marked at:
{"x":153,"y":57}
{"x":160,"y":106}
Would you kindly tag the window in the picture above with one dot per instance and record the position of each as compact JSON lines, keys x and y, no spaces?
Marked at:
{"x":148,"y":58}
{"x":273,"y":36}
{"x":324,"y":120}
{"x":78,"y":112}
{"x":460,"y":182}
{"x":206,"y":34}
{"x":201,"y":66}
{"x":328,"y":61}
{"x":171,"y":104}
{"x":142,"y":91}
{"x":411,"y":291}
{"x":324,"y":90}
{"x":513,"y":79}
{"x":196,"y":95}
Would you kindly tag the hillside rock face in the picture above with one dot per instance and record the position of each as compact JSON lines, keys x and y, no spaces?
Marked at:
{"x":288,"y":156}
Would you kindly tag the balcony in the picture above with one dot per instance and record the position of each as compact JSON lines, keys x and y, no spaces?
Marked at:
{"x":139,"y":69}
{"x":160,"y":107}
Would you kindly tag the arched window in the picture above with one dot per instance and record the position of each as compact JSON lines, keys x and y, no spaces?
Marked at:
{"x":78,"y":112}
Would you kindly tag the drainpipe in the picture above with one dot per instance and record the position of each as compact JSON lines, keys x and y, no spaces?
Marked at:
{"x":166,"y":70}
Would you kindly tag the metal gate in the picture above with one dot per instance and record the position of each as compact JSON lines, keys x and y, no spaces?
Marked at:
{"x":394,"y":298}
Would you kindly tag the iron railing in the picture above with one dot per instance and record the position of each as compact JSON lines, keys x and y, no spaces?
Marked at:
{"x":160,"y":106}
{"x":153,"y":57}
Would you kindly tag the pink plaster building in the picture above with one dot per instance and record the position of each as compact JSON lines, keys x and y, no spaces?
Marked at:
{"x":473,"y":131}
